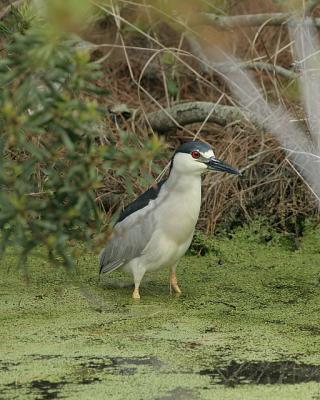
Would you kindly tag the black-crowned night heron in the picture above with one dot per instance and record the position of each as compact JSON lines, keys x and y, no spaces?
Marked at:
{"x":156,"y":229}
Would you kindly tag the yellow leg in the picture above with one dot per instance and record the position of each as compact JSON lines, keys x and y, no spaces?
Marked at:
{"x":136,"y":294}
{"x":174,"y":282}
{"x":138,"y":273}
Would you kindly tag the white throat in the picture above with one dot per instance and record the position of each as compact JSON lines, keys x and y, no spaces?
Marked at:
{"x":183,"y":182}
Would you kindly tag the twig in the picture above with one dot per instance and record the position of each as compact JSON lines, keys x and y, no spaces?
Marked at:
{"x":208,"y":116}
{"x":261,"y":66}
{"x":275,"y":19}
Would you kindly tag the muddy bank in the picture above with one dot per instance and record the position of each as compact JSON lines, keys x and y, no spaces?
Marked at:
{"x":247,"y":326}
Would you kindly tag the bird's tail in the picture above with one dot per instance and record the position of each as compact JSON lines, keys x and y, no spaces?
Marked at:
{"x":106,"y":267}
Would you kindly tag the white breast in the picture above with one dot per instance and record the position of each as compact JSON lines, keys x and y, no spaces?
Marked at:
{"x":179,"y":210}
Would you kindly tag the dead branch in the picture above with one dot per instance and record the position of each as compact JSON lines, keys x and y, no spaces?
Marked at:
{"x":276,"y":69}
{"x":275,"y":19}
{"x":258,"y":65}
{"x":191,"y":112}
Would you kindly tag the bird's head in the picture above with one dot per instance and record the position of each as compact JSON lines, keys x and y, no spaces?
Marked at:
{"x":196,"y":157}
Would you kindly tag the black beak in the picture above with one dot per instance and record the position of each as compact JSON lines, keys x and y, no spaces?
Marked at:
{"x":219,"y":165}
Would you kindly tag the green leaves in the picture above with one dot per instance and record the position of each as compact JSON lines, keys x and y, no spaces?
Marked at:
{"x":49,"y":155}
{"x":173,"y":89}
{"x":52,"y":156}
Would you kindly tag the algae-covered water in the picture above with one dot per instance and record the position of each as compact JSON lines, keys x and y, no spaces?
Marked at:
{"x":247,"y":326}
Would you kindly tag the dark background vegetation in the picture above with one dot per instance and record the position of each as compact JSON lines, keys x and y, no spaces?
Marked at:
{"x":79,"y":82}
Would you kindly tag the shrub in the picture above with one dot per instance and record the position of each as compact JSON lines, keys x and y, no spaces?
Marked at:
{"x":54,"y":149}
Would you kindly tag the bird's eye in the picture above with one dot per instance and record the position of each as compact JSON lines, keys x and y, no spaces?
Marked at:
{"x":195,"y":154}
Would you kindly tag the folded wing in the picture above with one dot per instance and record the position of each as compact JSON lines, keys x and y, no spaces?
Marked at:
{"x":129,"y":238}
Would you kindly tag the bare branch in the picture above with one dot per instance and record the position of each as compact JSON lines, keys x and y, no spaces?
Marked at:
{"x":275,"y":19}
{"x":191,"y":112}
{"x":259,"y":65}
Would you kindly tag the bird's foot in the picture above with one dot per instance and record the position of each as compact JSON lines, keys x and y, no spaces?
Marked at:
{"x":174,"y":284}
{"x":176,"y":288}
{"x":136,"y":294}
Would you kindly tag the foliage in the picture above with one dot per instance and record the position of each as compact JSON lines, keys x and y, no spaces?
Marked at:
{"x":202,"y":245}
{"x":53,"y":156}
{"x":49,"y":157}
{"x":15,"y":22}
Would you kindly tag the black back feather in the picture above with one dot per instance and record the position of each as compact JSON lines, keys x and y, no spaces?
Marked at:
{"x":142,"y":201}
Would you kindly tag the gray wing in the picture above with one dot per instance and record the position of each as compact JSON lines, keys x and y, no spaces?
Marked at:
{"x":129,"y":239}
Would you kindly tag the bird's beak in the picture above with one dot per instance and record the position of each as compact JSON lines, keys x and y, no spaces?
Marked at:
{"x":219,"y":165}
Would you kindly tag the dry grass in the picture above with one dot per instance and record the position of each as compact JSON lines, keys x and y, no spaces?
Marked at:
{"x":148,"y":65}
